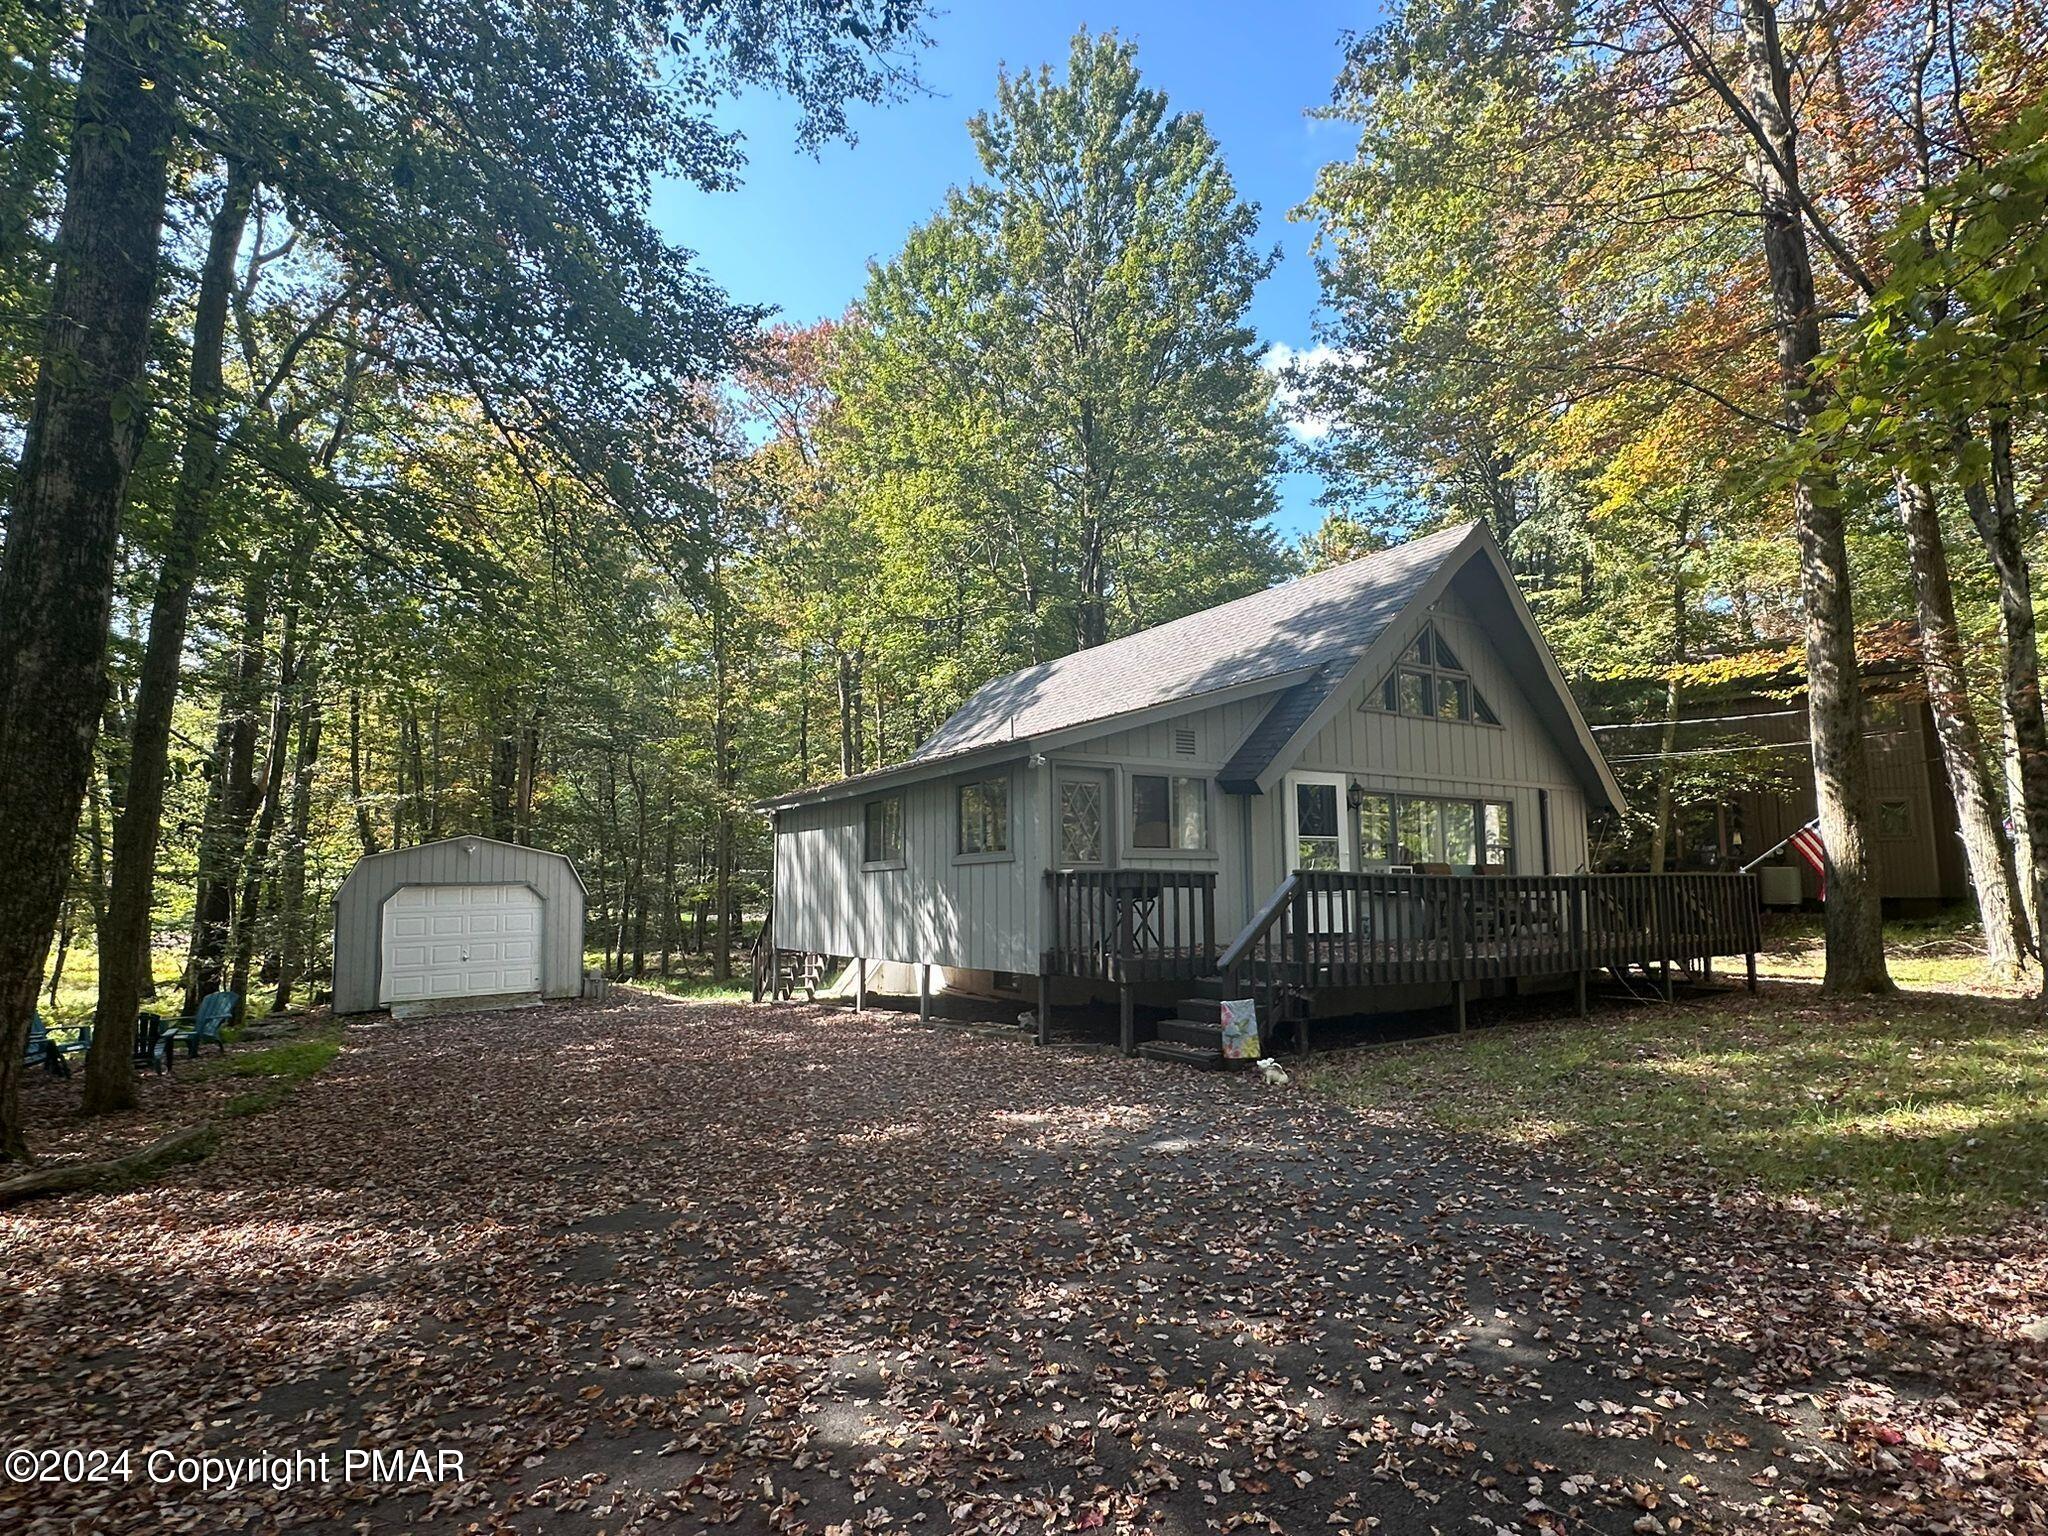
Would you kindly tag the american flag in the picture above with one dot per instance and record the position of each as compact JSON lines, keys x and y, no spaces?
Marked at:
{"x":1807,"y":844}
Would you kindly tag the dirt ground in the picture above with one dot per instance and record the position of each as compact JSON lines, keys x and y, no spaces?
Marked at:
{"x":655,"y":1263}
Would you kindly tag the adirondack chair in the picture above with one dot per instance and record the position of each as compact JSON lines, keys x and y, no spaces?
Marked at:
{"x":151,"y":1049}
{"x":42,"y":1050}
{"x":197,"y":1029}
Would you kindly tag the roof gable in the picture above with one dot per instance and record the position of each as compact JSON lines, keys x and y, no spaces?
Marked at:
{"x":1477,"y":571}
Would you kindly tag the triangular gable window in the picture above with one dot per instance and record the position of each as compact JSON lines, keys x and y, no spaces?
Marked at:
{"x":1431,"y":683}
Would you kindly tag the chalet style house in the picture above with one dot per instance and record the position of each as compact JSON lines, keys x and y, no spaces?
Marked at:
{"x":1363,"y":790}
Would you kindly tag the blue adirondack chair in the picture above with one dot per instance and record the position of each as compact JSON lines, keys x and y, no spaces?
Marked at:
{"x":49,"y":1053}
{"x":197,"y":1029}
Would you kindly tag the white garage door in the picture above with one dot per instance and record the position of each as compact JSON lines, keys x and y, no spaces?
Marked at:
{"x":460,"y":941}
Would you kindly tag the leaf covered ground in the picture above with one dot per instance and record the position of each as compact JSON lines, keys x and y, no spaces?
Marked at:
{"x":655,"y":1264}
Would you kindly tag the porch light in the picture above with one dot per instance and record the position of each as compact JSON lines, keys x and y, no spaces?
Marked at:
{"x":1355,"y":796}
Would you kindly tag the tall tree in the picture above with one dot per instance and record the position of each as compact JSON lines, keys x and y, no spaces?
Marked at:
{"x":1053,"y":391}
{"x":57,"y":573}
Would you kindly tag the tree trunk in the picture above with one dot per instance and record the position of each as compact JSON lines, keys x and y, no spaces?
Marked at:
{"x":125,"y":944}
{"x":224,"y":834}
{"x":270,"y":787}
{"x":366,"y":830}
{"x":2007,"y":934}
{"x":1855,"y":923}
{"x":2022,"y":849}
{"x":57,"y":574}
{"x":1666,"y":773}
{"x":1995,"y":511}
{"x":292,"y":874}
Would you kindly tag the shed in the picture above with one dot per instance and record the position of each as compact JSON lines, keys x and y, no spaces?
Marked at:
{"x":466,"y":919}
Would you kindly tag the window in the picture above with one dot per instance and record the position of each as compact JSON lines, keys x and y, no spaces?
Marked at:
{"x":882,"y":832}
{"x":1431,"y":684}
{"x":1317,"y":842}
{"x":1169,"y":811}
{"x":1461,"y":833}
{"x":1467,"y":835}
{"x":985,"y":817}
{"x":1894,"y":819}
{"x":1497,"y":849}
{"x":1081,"y":820}
{"x":1420,"y":832}
{"x":1375,"y":831}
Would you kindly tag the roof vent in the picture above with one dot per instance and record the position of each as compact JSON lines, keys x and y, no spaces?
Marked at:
{"x":1184,"y":742}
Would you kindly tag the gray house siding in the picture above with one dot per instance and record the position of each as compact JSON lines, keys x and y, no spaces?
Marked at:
{"x":1515,"y":761}
{"x":980,"y":913}
{"x":359,"y":908}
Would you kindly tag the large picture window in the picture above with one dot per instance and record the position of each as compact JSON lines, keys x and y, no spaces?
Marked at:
{"x":1169,"y":811}
{"x":1467,"y":835}
{"x":1432,"y":684}
{"x":985,"y":817}
{"x":882,"y":832}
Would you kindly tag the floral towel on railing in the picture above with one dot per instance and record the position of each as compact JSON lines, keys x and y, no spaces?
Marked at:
{"x":1240,"y":1018}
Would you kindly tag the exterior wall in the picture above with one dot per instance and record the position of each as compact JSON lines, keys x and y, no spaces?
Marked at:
{"x":984,"y":913}
{"x":1926,"y":863}
{"x":1156,"y":748}
{"x":1516,"y":761}
{"x":992,"y":916}
{"x":359,"y":909}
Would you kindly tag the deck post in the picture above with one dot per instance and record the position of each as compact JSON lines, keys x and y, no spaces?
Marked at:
{"x":1301,"y":1033}
{"x":774,"y":974}
{"x":1044,"y":1035}
{"x":860,"y":985}
{"x":1458,"y":1004}
{"x":1126,"y":1020}
{"x":1582,"y":940}
{"x":1751,"y":958}
{"x":924,"y":992}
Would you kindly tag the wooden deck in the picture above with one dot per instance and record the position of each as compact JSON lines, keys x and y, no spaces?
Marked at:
{"x":1326,"y":930}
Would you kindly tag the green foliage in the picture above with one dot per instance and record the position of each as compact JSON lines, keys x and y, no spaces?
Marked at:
{"x":1052,"y":413}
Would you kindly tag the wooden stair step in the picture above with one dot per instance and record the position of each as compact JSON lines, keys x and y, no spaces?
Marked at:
{"x":1186,"y":1031}
{"x":1201,"y":1010}
{"x":1186,"y":1055}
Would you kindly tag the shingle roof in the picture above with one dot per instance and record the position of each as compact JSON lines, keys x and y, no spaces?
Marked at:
{"x":1325,"y":620}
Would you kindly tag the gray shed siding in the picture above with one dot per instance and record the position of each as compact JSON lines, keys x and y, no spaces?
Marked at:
{"x":359,"y":909}
{"x":982,"y":914}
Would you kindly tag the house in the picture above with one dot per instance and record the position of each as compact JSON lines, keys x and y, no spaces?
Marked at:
{"x":1363,"y":789}
{"x":1920,"y":863}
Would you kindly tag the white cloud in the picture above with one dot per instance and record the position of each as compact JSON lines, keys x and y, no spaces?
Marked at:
{"x":1277,"y":360}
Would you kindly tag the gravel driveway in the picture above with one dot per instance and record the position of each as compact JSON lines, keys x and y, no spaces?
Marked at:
{"x":779,"y":1270}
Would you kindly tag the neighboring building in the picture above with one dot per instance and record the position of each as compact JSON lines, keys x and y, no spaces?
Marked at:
{"x":468,"y":921}
{"x":1919,"y":854}
{"x":1122,"y":814}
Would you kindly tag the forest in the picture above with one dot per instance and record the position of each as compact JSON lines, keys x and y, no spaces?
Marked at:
{"x":375,"y":471}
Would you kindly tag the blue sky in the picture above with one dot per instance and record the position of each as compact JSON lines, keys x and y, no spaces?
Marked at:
{"x":800,"y":232}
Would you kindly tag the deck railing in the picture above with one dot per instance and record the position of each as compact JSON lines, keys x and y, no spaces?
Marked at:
{"x":1325,"y":928}
{"x":1128,"y":925}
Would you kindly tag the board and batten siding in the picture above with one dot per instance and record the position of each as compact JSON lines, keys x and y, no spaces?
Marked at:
{"x":359,"y":908}
{"x":1516,"y":761}
{"x":1211,"y":735}
{"x":978,"y":914}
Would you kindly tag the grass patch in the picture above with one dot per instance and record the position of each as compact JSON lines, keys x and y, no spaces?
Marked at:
{"x":690,"y":976}
{"x":283,"y":1067}
{"x":1927,"y":1112}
